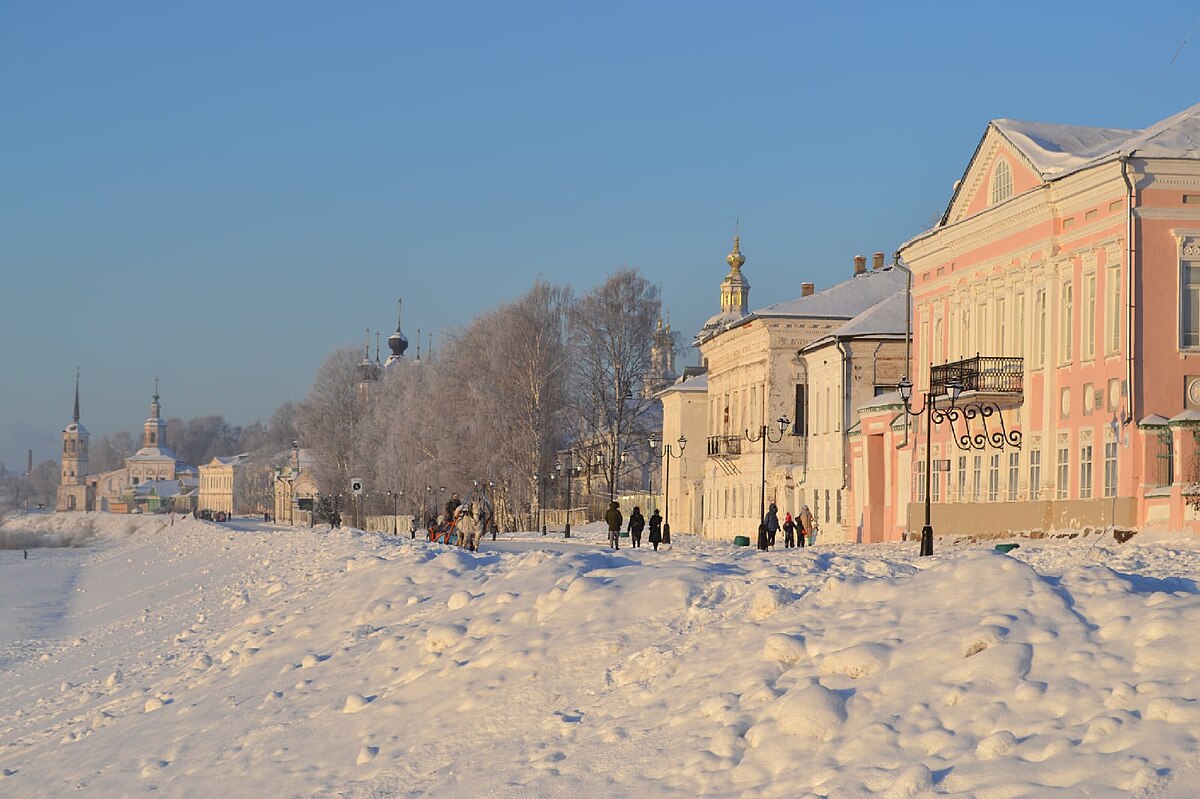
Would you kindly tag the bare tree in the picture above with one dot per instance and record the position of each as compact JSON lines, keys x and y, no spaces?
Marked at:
{"x":612,"y":334}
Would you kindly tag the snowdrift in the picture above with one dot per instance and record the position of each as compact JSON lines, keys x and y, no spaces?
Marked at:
{"x":196,"y":659}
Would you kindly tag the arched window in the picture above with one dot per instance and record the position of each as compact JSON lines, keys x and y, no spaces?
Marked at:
{"x":1002,"y":187}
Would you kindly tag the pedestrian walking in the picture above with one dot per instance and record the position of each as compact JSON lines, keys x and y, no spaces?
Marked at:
{"x":789,"y":531}
{"x":656,"y":533}
{"x":637,"y":523}
{"x":771,"y":520}
{"x":807,"y":525}
{"x":614,"y":518}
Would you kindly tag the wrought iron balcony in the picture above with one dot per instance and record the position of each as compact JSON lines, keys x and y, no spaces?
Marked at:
{"x":999,"y":377}
{"x":722,"y":446}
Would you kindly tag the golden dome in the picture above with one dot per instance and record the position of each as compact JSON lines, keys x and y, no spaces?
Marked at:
{"x":735,"y":259}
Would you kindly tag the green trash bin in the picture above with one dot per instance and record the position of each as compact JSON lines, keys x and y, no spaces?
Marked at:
{"x":1006,"y":548}
{"x":741,"y":540}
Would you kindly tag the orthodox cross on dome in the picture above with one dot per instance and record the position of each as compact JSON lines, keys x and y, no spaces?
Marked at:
{"x":76,"y":415}
{"x":397,"y":342}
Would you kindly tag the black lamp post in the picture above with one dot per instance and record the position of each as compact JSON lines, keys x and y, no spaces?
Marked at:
{"x":571,"y":472}
{"x":492,"y":501}
{"x":765,"y":436}
{"x":933,"y":416}
{"x":668,"y":453}
{"x":429,"y":498}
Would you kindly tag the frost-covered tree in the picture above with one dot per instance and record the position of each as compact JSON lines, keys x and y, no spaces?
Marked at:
{"x":327,"y":420}
{"x":612,"y":335}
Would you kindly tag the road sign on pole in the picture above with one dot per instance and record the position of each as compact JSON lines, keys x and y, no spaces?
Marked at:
{"x":356,"y":485}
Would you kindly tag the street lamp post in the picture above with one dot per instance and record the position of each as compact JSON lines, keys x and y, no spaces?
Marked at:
{"x":933,"y":416}
{"x":765,"y":437}
{"x":668,"y":454}
{"x":429,"y":499}
{"x":491,"y":497}
{"x":571,"y":472}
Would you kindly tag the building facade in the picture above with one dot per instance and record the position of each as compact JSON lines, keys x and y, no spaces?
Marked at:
{"x":1062,"y":287}
{"x":74,"y":491}
{"x":779,"y":398}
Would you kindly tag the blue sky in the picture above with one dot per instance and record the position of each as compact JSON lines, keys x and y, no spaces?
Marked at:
{"x":221,"y":193}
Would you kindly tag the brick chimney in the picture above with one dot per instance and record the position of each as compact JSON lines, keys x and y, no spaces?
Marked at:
{"x":860,"y":264}
{"x":806,"y":289}
{"x":877,"y":261}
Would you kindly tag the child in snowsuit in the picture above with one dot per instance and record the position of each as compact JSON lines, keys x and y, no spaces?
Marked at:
{"x":789,"y":531}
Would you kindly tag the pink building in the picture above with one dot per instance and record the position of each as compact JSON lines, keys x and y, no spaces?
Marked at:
{"x":1062,"y":284}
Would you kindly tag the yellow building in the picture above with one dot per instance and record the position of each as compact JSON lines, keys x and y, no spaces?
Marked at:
{"x":220,"y":484}
{"x":787,"y":377}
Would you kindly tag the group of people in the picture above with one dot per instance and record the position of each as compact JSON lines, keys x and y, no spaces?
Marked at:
{"x":637,"y":523}
{"x":795,"y":531}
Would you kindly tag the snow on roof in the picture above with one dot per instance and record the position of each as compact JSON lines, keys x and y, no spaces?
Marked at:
{"x":1056,"y":150}
{"x":885,"y":318}
{"x":844,"y":300}
{"x":693,"y":383}
{"x":152,"y":454}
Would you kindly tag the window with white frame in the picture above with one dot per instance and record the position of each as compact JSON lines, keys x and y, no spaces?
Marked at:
{"x":1019,"y":326}
{"x":994,"y":478}
{"x":935,"y":483}
{"x":1001,"y":345}
{"x":1110,"y":468}
{"x":1112,"y":309}
{"x":1064,"y":471}
{"x":1039,"y":329}
{"x":1066,"y":322}
{"x":1189,"y":294}
{"x":1085,"y":471}
{"x":1002,"y":186}
{"x":1014,"y":474}
{"x":962,"y":478}
{"x":1035,"y":473}
{"x":920,"y":476}
{"x":1087,"y":347}
{"x":977,"y":478}
{"x":981,"y":328}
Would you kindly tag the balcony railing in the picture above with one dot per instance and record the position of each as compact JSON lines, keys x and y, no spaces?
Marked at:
{"x":984,"y":374}
{"x":720,"y":446}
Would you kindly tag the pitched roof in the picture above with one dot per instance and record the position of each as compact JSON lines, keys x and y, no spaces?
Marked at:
{"x":845,"y":300}
{"x":1056,"y":150}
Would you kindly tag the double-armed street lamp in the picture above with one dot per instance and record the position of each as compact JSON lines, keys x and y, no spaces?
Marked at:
{"x":933,"y":416}
{"x":764,"y":436}
{"x":668,"y":454}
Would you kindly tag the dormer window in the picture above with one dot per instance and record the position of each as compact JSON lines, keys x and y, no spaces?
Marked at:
{"x":1002,"y":187}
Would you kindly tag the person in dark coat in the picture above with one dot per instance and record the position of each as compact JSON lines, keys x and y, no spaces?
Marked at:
{"x":762,"y":536}
{"x":771,"y":520}
{"x":655,"y":529}
{"x":789,"y":531}
{"x":452,"y":505}
{"x":614,"y":518}
{"x":637,"y":523}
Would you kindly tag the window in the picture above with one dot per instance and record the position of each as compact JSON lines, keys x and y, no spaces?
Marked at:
{"x":827,"y":506}
{"x":1085,"y":472}
{"x":1189,"y":297}
{"x":1035,"y":473}
{"x":1014,"y":473}
{"x":1064,"y":471}
{"x":1087,"y":348}
{"x":981,"y":328}
{"x":1001,"y":345}
{"x":939,"y":345}
{"x":1110,"y":468}
{"x":920,"y":492}
{"x":1002,"y":187}
{"x":1112,"y":309}
{"x":994,"y":478}
{"x":1066,"y":323}
{"x":800,"y":427}
{"x":962,"y":478}
{"x":935,"y":484}
{"x":1019,"y":326}
{"x":1039,"y":329}
{"x":977,"y":478}
{"x":839,"y":506}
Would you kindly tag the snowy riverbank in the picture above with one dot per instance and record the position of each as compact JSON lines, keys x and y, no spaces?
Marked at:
{"x":198,"y":659}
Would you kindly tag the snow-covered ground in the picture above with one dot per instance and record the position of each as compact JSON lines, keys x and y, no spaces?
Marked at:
{"x":204,"y":660}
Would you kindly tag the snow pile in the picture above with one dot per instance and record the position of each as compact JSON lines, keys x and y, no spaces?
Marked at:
{"x":197,"y":659}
